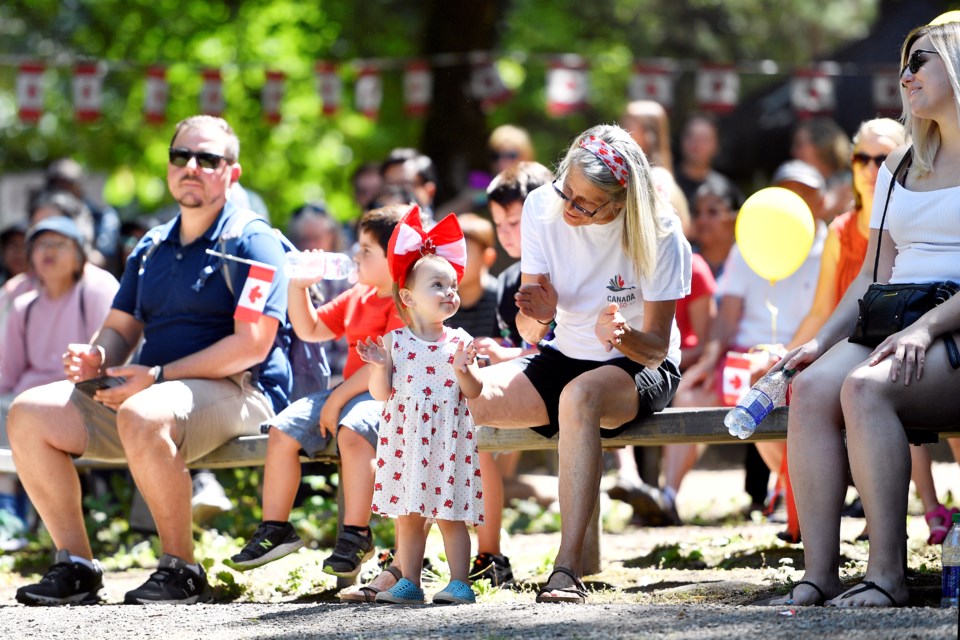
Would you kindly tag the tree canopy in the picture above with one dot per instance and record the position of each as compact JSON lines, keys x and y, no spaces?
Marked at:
{"x":308,"y":156}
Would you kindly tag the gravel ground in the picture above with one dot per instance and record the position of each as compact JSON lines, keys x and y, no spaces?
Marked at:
{"x":693,"y":581}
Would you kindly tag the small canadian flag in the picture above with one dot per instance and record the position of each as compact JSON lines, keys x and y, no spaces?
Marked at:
{"x":886,"y":92}
{"x":329,"y":86}
{"x":368,"y":91}
{"x":417,"y":87}
{"x":736,"y":378}
{"x":211,"y":93}
{"x":567,"y":86}
{"x":255,"y":290}
{"x":87,"y":84}
{"x":272,"y":96}
{"x":30,"y":91}
{"x":717,"y":88}
{"x":652,"y":82}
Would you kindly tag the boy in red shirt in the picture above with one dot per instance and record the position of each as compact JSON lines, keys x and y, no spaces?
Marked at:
{"x":365,"y":310}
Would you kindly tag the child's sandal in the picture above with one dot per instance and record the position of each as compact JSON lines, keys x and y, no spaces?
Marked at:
{"x":938,"y":532}
{"x":456,"y":592}
{"x":404,"y":592}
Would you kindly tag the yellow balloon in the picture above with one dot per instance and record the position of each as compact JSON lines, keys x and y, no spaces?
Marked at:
{"x":774,"y":231}
{"x":944,"y":18}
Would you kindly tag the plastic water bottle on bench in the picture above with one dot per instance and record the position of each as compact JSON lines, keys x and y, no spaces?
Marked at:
{"x":769,"y":392}
{"x":950,"y":596}
{"x":315,"y":264}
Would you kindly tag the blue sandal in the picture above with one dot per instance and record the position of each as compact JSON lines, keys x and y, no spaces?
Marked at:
{"x":456,"y":592}
{"x":404,"y":592}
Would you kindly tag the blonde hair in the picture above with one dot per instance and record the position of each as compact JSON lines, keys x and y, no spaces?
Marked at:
{"x":881,"y":128}
{"x":641,"y":205}
{"x":508,"y":137}
{"x":410,"y":280}
{"x":945,"y":40}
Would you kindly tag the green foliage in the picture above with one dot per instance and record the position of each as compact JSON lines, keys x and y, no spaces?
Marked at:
{"x":526,"y":516}
{"x":309,"y":156}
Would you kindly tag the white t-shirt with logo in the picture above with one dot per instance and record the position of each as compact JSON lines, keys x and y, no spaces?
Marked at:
{"x":589,"y":269}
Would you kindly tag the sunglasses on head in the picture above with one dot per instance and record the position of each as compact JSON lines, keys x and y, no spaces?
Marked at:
{"x":914,"y":62}
{"x":180,"y":157}
{"x":866,"y":158}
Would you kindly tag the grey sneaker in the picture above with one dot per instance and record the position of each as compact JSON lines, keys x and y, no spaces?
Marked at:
{"x":351,"y":551}
{"x":172,"y":583}
{"x":268,"y":543}
{"x":66,"y":582}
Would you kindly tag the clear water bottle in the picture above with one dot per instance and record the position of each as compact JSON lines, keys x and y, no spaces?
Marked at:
{"x":318,"y":264}
{"x":769,"y":392}
{"x":951,"y":565}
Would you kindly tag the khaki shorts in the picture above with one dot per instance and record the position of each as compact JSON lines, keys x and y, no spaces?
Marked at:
{"x":208,"y":413}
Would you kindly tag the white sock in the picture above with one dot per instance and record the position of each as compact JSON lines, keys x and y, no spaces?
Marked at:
{"x":670,"y":494}
{"x":87,"y":563}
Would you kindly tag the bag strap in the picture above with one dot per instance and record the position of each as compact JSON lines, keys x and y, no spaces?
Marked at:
{"x":893,"y":180}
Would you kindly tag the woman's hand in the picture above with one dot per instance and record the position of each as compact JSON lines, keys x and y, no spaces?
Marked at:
{"x":908,"y":348}
{"x":465,"y":357}
{"x":800,"y":357}
{"x":537,"y":300}
{"x":610,"y":326}
{"x":373,"y":352}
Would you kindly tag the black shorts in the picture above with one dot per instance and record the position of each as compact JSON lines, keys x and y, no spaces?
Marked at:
{"x":550,"y":371}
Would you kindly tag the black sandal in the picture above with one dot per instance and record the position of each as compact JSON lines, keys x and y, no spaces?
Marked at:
{"x":816,"y":603}
{"x":368,"y":593}
{"x":577,"y":594}
{"x":867,"y":585}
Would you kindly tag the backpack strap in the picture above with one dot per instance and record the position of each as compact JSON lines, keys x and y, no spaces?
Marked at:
{"x":154,"y":236}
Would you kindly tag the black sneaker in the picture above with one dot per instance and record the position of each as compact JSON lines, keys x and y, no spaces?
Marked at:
{"x":172,"y":583}
{"x":66,"y":582}
{"x":352,"y":550}
{"x":268,"y":543}
{"x":492,"y":567}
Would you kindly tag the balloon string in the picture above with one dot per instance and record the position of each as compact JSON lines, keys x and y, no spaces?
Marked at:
{"x":774,"y":311}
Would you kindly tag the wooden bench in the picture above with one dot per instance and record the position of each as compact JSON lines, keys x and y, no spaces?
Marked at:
{"x":670,"y":426}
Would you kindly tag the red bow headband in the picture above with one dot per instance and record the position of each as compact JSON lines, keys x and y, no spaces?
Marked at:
{"x":409,"y":242}
{"x":608,"y":156}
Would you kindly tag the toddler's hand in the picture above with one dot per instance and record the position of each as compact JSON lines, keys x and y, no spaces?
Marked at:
{"x":373,"y":352}
{"x":466,"y":355}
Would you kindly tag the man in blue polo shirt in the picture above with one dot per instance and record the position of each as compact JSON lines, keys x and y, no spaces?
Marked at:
{"x":202,"y":378}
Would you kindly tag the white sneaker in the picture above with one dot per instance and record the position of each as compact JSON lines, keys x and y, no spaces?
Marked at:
{"x":209,"y":499}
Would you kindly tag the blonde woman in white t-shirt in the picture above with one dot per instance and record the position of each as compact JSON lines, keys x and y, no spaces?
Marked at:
{"x":907,"y":380}
{"x":604,"y":258}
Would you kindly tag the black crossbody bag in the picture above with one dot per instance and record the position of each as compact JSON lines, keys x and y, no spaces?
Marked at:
{"x":886,"y":309}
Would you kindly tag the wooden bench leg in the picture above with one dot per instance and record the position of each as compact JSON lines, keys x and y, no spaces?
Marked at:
{"x":590,"y":557}
{"x":342,"y":583}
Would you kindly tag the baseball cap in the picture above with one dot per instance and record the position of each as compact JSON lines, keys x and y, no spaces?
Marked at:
{"x":799,"y":171}
{"x":57,"y":224}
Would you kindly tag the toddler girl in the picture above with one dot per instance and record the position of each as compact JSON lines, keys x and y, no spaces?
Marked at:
{"x":427,"y":463}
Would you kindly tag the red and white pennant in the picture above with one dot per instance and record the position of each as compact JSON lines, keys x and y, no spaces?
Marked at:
{"x":417,"y":88}
{"x":812,"y":93}
{"x":156,"y":95}
{"x":30,"y":91}
{"x":329,"y":86}
{"x":368,"y":92}
{"x":87,"y":91}
{"x":272,"y":96}
{"x":212,"y":101}
{"x":717,"y":88}
{"x":652,"y":82}
{"x":567,"y":86}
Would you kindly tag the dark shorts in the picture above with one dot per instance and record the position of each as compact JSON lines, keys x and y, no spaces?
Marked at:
{"x":550,"y":371}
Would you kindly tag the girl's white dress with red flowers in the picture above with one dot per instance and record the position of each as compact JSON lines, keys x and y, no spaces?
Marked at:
{"x":427,"y":459}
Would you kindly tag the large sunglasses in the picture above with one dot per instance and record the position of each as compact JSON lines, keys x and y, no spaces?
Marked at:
{"x":573,"y":204}
{"x":180,"y":157}
{"x":915,"y":61}
{"x":866,"y":158}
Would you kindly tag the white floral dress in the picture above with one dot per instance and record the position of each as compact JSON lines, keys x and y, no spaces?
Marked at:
{"x":427,"y":460}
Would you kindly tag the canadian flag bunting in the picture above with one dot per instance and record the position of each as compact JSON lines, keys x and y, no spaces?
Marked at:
{"x":272,"y":96}
{"x":417,"y":88}
{"x":87,"y":84}
{"x":652,"y":82}
{"x":567,"y":86}
{"x":717,"y":88}
{"x":812,"y":93}
{"x":212,"y":102}
{"x":329,"y":86}
{"x":486,"y":85}
{"x":368,"y":92}
{"x":886,"y":93}
{"x":30,"y":91}
{"x":253,"y":298}
{"x":736,"y":378}
{"x":155,"y":97}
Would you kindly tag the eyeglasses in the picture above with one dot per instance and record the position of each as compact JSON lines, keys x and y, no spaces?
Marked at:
{"x":915,"y":61}
{"x":573,"y":204}
{"x":51,"y":245}
{"x":866,"y":158}
{"x":504,"y":155}
{"x":180,"y":157}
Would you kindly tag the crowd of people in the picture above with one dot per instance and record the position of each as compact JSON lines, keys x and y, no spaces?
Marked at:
{"x":126,"y":342}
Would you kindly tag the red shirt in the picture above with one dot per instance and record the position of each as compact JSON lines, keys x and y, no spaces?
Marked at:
{"x":702,"y":283}
{"x":358,"y":313}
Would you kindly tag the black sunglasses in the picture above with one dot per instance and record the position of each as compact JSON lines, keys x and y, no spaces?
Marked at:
{"x":180,"y":157}
{"x":915,"y":61}
{"x":866,"y":158}
{"x":573,"y":204}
